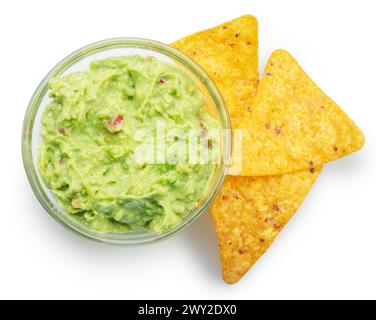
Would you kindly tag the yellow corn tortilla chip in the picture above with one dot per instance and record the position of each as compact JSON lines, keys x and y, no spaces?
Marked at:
{"x":250,"y":212}
{"x":229,"y":54}
{"x":293,"y":124}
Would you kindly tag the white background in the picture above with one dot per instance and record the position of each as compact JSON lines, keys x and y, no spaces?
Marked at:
{"x":328,"y":249}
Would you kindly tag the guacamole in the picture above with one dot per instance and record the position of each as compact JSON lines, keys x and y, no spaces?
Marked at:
{"x":100,"y":152}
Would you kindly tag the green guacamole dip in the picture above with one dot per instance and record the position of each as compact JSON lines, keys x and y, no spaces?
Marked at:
{"x":92,"y":134}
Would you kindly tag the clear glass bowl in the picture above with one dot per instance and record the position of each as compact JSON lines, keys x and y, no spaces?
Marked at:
{"x":79,"y":61}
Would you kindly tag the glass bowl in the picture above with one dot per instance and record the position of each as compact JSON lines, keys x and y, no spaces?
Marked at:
{"x":79,"y":61}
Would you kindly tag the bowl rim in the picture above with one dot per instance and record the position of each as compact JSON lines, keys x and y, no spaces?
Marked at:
{"x":101,"y":46}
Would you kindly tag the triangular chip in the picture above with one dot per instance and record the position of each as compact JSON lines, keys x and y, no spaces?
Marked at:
{"x":229,"y":54}
{"x":293,"y":124}
{"x":250,"y":212}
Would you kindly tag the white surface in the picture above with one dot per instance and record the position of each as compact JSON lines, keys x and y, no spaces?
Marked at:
{"x":327,"y":250}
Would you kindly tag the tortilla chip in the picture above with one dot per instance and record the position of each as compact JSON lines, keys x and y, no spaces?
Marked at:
{"x":293,"y":124}
{"x":229,"y":54}
{"x":249,"y":215}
